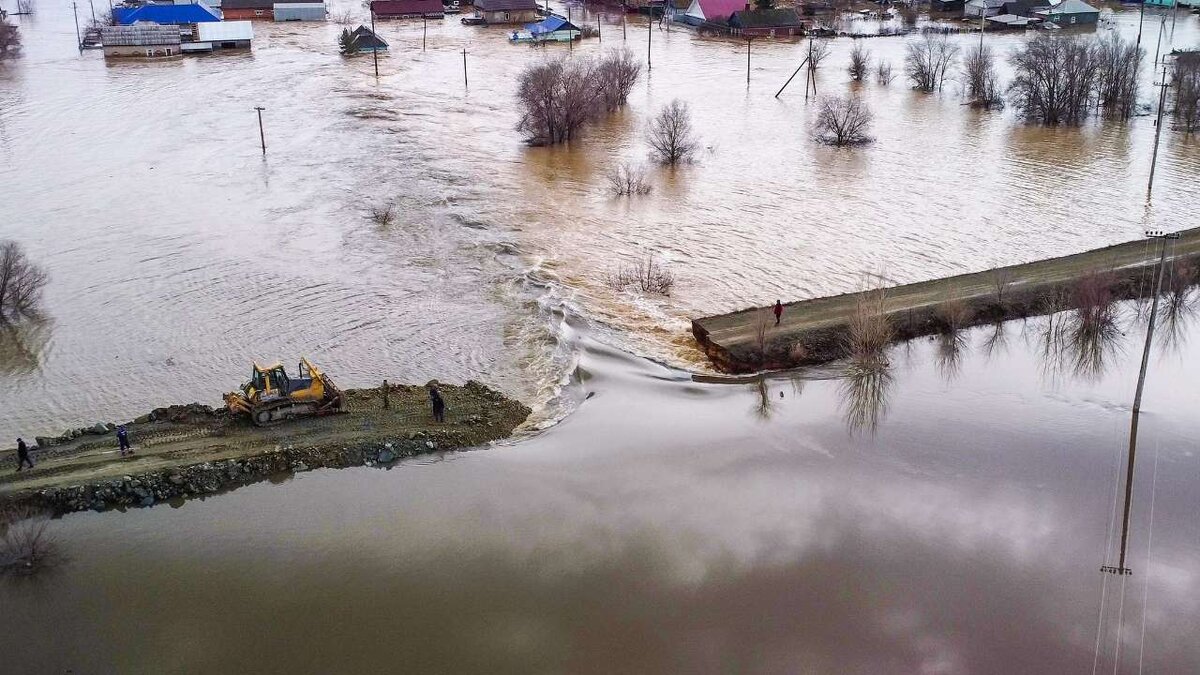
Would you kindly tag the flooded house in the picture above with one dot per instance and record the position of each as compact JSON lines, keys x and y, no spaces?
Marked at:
{"x":507,"y":11}
{"x":299,"y":11}
{"x":166,"y":15}
{"x":700,"y":12}
{"x":978,"y":8}
{"x":407,"y":9}
{"x":781,"y":22}
{"x":362,"y":40}
{"x":208,"y":37}
{"x":248,"y":9}
{"x":1070,"y":13}
{"x":141,"y":40}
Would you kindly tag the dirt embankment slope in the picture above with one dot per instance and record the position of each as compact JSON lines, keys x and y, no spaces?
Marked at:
{"x":190,"y":450}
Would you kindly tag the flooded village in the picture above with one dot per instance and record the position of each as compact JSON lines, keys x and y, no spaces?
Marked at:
{"x":643,"y":336}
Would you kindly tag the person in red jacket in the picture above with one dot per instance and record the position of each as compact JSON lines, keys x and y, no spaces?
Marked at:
{"x":778,"y":311}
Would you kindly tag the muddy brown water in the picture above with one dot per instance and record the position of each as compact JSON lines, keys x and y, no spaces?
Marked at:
{"x":667,"y":525}
{"x":715,"y":528}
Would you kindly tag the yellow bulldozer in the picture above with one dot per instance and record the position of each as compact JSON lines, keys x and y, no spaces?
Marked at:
{"x":271,"y":396}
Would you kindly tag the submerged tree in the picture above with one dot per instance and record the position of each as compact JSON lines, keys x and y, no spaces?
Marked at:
{"x":928,"y":60}
{"x":982,"y":83}
{"x":1186,"y":84}
{"x":10,"y":40}
{"x":1055,"y":78}
{"x":1119,"y":62}
{"x":559,"y":97}
{"x":843,"y":120}
{"x":860,"y":62}
{"x":21,"y":283}
{"x":670,"y":135}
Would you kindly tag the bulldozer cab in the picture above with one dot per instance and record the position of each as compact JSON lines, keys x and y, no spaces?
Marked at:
{"x":274,"y":381}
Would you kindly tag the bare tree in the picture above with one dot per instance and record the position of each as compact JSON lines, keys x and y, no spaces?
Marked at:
{"x":671,"y":137}
{"x":1055,"y":79}
{"x":860,"y":62}
{"x":559,"y":97}
{"x":983,"y":85}
{"x":1186,"y":83}
{"x":25,"y":6}
{"x":21,"y":283}
{"x":1119,"y":64}
{"x":928,"y":60}
{"x":626,"y":179}
{"x":818,"y":50}
{"x":843,"y":120}
{"x":25,"y":546}
{"x":883,"y":72}
{"x":382,"y":214}
{"x":646,"y":276}
{"x":1001,"y":278}
{"x":616,"y":74}
{"x":10,"y":40}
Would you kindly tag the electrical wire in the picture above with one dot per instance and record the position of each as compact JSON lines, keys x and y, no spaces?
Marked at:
{"x":1149,"y":543}
{"x":1112,"y":519}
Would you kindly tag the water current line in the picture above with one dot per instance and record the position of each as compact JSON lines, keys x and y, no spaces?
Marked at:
{"x":1149,"y":543}
{"x":1112,"y":519}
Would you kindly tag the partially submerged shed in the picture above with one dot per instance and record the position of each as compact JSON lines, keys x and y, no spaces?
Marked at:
{"x":779,"y":22}
{"x":407,"y":9}
{"x":298,"y":11}
{"x":506,"y":11}
{"x":141,"y":40}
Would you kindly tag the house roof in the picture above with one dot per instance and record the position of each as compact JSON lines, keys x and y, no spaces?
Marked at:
{"x":549,"y":25}
{"x":505,"y":5}
{"x":224,"y":30}
{"x":713,"y":10}
{"x":165,"y":14}
{"x":767,"y":18}
{"x":1070,"y":7}
{"x":403,"y":7}
{"x":990,"y":4}
{"x":363,"y":37}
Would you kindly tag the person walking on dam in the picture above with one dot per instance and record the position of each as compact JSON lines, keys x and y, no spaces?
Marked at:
{"x":123,"y":441}
{"x":439,"y":405}
{"x":23,"y":455}
{"x":778,"y":311}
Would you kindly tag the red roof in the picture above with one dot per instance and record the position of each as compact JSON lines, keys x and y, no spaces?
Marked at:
{"x":406,"y":7}
{"x":721,"y":9}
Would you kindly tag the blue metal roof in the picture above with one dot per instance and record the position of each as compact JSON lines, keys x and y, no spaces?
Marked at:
{"x":549,"y":25}
{"x":165,"y":14}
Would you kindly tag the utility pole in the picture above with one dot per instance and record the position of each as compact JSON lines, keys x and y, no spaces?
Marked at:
{"x":649,"y":39}
{"x":1141,"y":16}
{"x":570,"y":38}
{"x":747,"y":61}
{"x":261,"y":137}
{"x":424,"y":30}
{"x":375,"y":51}
{"x":78,"y":38}
{"x":1137,"y":403}
{"x":598,"y":33}
{"x":93,"y":8}
{"x":1162,"y":103}
{"x":624,"y":35}
{"x":465,"y":68}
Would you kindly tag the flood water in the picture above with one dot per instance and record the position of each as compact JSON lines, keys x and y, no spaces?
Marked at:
{"x":667,"y":524}
{"x":670,"y":525}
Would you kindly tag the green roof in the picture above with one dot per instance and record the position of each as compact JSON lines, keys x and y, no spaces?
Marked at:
{"x":767,"y":18}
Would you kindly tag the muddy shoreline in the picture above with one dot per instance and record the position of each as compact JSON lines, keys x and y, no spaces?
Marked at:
{"x":191,"y":451}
